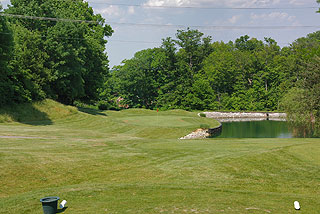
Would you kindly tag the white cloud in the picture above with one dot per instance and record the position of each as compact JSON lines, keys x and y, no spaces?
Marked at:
{"x":110,"y":11}
{"x":234,"y":19}
{"x":115,"y":11}
{"x":159,"y":3}
{"x":226,"y":3}
{"x":297,"y":2}
{"x":251,"y":3}
{"x":273,"y":16}
{"x":4,"y":3}
{"x":131,"y":10}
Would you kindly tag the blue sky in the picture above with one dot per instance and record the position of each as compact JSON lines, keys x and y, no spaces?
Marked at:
{"x":141,"y":24}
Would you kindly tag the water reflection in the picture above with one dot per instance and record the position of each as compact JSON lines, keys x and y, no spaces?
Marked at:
{"x":255,"y":129}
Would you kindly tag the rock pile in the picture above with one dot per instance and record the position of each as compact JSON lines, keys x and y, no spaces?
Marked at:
{"x":198,"y":134}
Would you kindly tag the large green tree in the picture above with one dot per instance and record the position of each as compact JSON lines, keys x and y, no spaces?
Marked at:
{"x":221,"y":70}
{"x":302,"y":103}
{"x":7,"y":87}
{"x":139,"y":79}
{"x":244,"y":74}
{"x":63,"y":58}
{"x":191,"y":48}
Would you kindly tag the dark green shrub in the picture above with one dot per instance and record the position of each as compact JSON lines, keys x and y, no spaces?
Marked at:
{"x":114,"y":108}
{"x":203,"y":115}
{"x":103,"y":105}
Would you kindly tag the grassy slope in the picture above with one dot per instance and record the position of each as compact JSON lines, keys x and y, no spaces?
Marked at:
{"x":40,"y":111}
{"x":132,"y":162}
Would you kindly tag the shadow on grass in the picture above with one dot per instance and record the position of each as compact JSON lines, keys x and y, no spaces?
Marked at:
{"x":26,"y":114}
{"x":92,"y":111}
{"x":38,"y":123}
{"x":61,"y":210}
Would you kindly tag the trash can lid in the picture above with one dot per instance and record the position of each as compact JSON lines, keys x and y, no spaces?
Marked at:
{"x":49,"y":199}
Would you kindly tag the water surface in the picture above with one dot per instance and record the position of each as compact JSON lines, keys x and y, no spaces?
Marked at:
{"x":255,"y":129}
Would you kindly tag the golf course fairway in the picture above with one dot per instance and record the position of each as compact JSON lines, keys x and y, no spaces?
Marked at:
{"x":132,"y":161}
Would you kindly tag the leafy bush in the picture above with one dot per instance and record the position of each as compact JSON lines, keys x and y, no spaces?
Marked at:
{"x":103,"y":105}
{"x":114,"y":108}
{"x":202,"y":115}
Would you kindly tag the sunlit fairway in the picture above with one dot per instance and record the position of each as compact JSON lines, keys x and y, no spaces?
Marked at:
{"x":132,"y":161}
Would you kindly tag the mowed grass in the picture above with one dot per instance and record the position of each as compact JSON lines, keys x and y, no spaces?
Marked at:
{"x":133,"y":162}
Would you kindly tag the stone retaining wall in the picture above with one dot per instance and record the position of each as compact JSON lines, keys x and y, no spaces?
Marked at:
{"x":234,"y":119}
{"x":244,"y":115}
{"x":215,"y":131}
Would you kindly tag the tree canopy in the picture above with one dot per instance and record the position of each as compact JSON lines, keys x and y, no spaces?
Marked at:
{"x":191,"y":72}
{"x":8,"y":84}
{"x":62,"y":59}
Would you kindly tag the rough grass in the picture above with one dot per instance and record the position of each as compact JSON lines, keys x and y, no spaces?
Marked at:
{"x":46,"y":110}
{"x":132,"y":162}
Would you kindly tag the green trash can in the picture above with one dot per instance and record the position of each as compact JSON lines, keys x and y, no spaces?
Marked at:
{"x":50,"y":204}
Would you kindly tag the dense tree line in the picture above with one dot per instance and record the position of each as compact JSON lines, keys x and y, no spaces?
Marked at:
{"x":6,"y":83}
{"x":62,"y":59}
{"x":191,"y":72}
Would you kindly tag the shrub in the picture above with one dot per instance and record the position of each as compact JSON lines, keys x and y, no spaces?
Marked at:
{"x":203,"y":115}
{"x":103,"y":105}
{"x":114,"y":108}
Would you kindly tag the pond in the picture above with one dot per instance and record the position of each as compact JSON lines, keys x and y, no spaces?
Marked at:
{"x":255,"y":129}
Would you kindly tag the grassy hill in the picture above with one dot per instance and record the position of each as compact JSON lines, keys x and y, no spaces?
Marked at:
{"x":43,"y":111}
{"x":132,"y":162}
